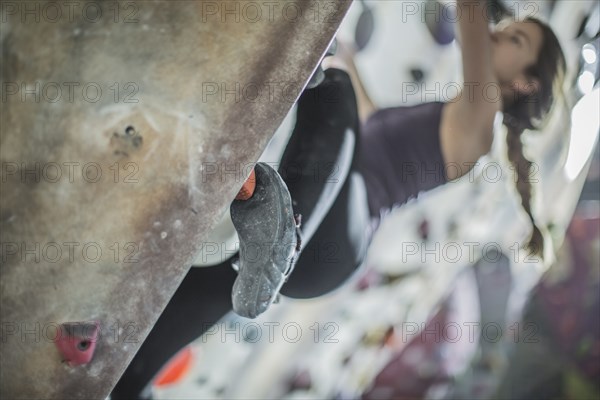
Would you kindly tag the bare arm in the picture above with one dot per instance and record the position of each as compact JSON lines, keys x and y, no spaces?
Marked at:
{"x":475,"y":104}
{"x":467,"y":126}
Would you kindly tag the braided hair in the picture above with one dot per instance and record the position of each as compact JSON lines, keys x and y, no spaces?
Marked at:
{"x":526,"y":112}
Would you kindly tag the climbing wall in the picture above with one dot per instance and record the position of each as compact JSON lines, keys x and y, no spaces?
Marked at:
{"x":127,"y":129}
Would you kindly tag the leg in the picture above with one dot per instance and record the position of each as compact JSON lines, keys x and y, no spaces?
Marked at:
{"x":318,"y":167}
{"x":199,"y":302}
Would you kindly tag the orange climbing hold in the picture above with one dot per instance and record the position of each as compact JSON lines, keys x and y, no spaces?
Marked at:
{"x":176,"y":369}
{"x":247,"y":189}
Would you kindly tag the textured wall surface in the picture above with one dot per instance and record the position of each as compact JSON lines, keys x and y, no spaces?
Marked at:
{"x":100,"y":222}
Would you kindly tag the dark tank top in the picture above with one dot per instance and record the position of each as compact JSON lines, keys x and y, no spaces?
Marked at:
{"x":400,"y":155}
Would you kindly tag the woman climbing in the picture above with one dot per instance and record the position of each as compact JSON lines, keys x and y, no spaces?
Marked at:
{"x":401,"y":152}
{"x":406,"y":150}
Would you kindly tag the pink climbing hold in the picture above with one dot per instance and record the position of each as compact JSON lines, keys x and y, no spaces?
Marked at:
{"x":76,"y":341}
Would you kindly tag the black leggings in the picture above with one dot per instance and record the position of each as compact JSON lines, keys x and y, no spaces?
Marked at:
{"x":324,"y":147}
{"x":330,"y":257}
{"x":202,"y":299}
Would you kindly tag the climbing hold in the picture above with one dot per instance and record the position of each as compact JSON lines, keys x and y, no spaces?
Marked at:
{"x":247,"y":189}
{"x":76,"y":341}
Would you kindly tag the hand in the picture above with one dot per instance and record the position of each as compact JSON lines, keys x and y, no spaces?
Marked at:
{"x":346,"y":51}
{"x":343,"y":58}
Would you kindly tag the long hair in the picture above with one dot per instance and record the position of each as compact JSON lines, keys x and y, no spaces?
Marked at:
{"x":527,"y":112}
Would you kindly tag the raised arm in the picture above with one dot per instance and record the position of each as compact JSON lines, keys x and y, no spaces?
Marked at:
{"x":467,"y":126}
{"x":480,"y":98}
